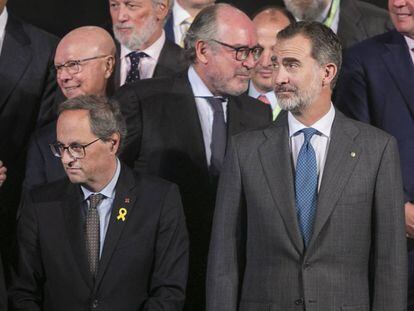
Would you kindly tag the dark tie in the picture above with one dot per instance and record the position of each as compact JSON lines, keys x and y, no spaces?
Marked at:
{"x":306,"y":185}
{"x":218,"y":136}
{"x":92,"y":236}
{"x":133,"y":74}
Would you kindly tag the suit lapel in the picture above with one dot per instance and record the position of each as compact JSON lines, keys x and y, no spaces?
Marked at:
{"x":15,"y":57}
{"x":124,"y":198}
{"x":275,"y":157}
{"x":350,"y":29}
{"x":72,"y":211}
{"x":399,"y":64}
{"x":235,"y":122}
{"x":338,"y":168}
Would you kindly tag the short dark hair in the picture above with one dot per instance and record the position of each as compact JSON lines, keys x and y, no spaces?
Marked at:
{"x":104,"y":115}
{"x":276,"y":8}
{"x":326,"y":47}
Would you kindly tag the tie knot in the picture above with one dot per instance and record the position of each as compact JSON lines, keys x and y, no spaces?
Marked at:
{"x":216,"y":103}
{"x":95,"y":199}
{"x":308,"y":133}
{"x":135,"y":56}
{"x":263,"y":98}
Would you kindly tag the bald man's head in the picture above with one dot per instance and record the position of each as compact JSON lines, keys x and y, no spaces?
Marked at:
{"x":85,"y":60}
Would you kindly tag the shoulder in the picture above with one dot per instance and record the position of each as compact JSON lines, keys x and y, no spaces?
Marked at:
{"x":370,"y":10}
{"x":51,"y":192}
{"x":31,"y":34}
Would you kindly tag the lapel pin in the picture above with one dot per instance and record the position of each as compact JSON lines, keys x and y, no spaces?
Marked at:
{"x":127,"y":200}
{"x":122,"y":213}
{"x":353,"y":154}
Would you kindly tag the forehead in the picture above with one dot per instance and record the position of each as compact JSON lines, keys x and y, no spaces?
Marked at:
{"x":74,"y":48}
{"x":73,"y":125}
{"x":297,"y":47}
{"x":235,"y":29}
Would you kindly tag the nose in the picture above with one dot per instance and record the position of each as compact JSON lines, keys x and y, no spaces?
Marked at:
{"x":265,"y":59}
{"x":398,"y":3}
{"x":66,"y":158}
{"x":63,"y":74}
{"x":279,"y":76}
{"x":123,"y":15}
{"x":249,"y":62}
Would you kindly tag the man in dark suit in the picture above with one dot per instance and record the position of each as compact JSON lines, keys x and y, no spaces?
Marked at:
{"x":352,"y":20}
{"x":144,"y":51}
{"x":105,"y":239}
{"x":181,"y":16}
{"x":309,"y":212}
{"x":84,"y":61}
{"x":376,"y":86}
{"x":27,"y":94}
{"x":178,"y":126}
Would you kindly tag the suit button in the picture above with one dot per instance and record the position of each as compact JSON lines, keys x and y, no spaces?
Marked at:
{"x":307,"y":265}
{"x":95,"y":304}
{"x":299,"y":302}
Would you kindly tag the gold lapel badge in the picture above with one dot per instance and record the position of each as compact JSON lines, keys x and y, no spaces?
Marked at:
{"x":122,"y":213}
{"x":353,"y":154}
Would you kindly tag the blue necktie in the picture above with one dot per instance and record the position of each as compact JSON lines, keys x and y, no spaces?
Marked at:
{"x":218,"y":135}
{"x":133,"y":74}
{"x":306,"y":185}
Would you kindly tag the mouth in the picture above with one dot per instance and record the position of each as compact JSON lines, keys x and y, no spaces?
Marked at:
{"x":403,"y":15}
{"x":71,"y":88}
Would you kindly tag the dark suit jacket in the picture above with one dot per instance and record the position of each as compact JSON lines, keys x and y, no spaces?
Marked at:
{"x":376,"y":86}
{"x":27,"y":95}
{"x":169,"y":28}
{"x":356,"y":258}
{"x":144,"y":260}
{"x":359,"y":20}
{"x":165,"y":138}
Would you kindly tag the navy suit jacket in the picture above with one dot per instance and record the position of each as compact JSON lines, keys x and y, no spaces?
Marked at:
{"x":144,"y":260}
{"x":376,"y":85}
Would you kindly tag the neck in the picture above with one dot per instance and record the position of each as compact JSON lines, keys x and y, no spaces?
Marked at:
{"x":192,"y":10}
{"x":102,"y":180}
{"x":314,"y":112}
{"x":154,"y":37}
{"x":261,"y":90}
{"x":205,"y":79}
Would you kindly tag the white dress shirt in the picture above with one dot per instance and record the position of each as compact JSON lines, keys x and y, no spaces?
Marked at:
{"x":3,"y":22}
{"x":410,"y":43}
{"x":179,"y":16}
{"x":105,"y":207}
{"x":205,"y":111}
{"x":320,"y":143}
{"x":271,"y":96}
{"x":146,"y":64}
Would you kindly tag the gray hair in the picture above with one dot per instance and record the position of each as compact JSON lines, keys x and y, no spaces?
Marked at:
{"x":204,"y":28}
{"x":326,"y":47}
{"x":104,"y":115}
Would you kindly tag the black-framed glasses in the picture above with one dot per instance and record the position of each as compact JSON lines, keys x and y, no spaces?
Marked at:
{"x":242,"y":52}
{"x":76,"y":151}
{"x":74,"y":66}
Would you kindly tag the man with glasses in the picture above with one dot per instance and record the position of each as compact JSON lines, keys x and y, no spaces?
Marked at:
{"x":179,"y":126}
{"x":84,"y":62}
{"x":105,"y":238}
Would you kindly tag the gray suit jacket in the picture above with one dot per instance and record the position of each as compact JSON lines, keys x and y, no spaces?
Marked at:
{"x":356,"y":259}
{"x":359,"y":20}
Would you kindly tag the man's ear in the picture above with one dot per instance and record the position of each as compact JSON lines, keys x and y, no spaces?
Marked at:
{"x":161,"y":9}
{"x":201,"y":50}
{"x":109,"y":66}
{"x":115,"y":141}
{"x":329,"y":71}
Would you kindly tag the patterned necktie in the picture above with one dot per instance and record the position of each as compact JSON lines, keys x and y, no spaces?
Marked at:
{"x":306,"y":185}
{"x":218,"y":136}
{"x":184,"y":26}
{"x":133,"y":74}
{"x":92,"y":236}
{"x":263,"y":99}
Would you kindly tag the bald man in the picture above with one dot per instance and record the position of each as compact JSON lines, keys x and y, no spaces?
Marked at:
{"x":268,"y":22}
{"x":84,"y":61}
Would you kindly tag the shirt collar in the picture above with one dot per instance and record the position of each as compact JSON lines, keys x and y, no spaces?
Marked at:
{"x":253,"y":92}
{"x":152,"y":51}
{"x":323,"y":125}
{"x":3,"y":21}
{"x":197,"y":85}
{"x":109,"y":190}
{"x":410,"y":42}
{"x":179,"y":14}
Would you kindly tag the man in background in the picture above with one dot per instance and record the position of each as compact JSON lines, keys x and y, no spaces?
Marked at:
{"x":268,"y":22}
{"x":84,"y":62}
{"x":376,"y":87}
{"x":352,"y":20}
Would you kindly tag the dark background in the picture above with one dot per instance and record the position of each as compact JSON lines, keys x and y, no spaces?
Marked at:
{"x":60,"y":16}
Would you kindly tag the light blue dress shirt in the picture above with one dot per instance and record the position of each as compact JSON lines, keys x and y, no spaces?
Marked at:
{"x":105,"y":207}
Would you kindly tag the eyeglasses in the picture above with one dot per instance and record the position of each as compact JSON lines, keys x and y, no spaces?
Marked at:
{"x":243,"y":52}
{"x":74,"y":66}
{"x":76,"y":151}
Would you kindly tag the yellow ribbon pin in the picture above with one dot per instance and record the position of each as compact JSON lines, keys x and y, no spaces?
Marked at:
{"x":122,"y":213}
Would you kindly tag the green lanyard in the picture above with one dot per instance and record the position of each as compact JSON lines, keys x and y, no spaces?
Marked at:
{"x":332,"y":12}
